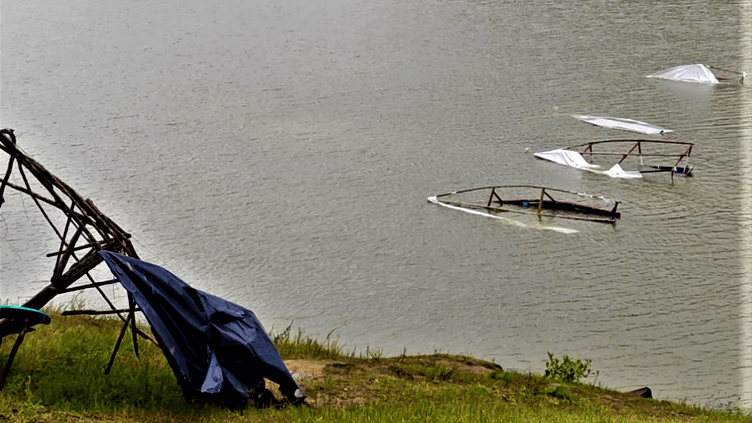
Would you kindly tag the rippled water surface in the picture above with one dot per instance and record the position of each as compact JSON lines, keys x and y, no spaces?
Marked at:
{"x":279,"y":154}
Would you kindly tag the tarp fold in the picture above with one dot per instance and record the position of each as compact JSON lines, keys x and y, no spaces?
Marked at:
{"x":687,"y":73}
{"x":215,"y":348}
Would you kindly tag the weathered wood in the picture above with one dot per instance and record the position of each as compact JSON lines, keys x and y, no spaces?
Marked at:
{"x":96,"y":245}
{"x":117,"y":344}
{"x":12,"y":356}
{"x":30,"y":193}
{"x":89,"y":286}
{"x":544,"y":201}
{"x":132,"y":304}
{"x":94,"y":232}
{"x":97,"y":312}
{"x":62,"y":260}
{"x":5,"y":179}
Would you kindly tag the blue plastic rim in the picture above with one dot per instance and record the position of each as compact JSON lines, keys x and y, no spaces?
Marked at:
{"x":14,"y":312}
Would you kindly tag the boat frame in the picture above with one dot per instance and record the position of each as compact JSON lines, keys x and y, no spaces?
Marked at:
{"x":634,"y":148}
{"x":637,"y":144}
{"x":536,"y":205}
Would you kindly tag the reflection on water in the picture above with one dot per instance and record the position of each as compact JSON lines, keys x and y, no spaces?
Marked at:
{"x":280,"y":155}
{"x":694,"y":93}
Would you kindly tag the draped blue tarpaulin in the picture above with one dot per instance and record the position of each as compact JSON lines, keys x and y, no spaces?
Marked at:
{"x":215,"y":347}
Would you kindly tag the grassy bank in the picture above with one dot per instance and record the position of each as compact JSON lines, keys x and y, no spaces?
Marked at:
{"x":58,"y":376}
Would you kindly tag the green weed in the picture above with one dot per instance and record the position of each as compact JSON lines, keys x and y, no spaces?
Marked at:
{"x":301,"y":346}
{"x":566,"y":369}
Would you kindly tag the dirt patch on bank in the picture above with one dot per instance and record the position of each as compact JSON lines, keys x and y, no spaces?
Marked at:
{"x":349,"y":382}
{"x":310,"y":369}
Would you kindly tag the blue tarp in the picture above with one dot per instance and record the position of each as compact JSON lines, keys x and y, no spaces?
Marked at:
{"x":216,"y":348}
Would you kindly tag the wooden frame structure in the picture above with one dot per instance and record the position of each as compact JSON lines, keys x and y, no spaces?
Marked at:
{"x":636,"y":149}
{"x":537,"y":200}
{"x":84,"y":232}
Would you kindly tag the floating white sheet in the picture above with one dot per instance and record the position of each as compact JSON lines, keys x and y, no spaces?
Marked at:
{"x":624,"y":124}
{"x":617,"y":172}
{"x":687,"y":73}
{"x":567,"y":158}
{"x":574,"y":159}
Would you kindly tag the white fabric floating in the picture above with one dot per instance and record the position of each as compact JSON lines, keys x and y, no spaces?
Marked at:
{"x":617,"y":172}
{"x":574,"y":159}
{"x":624,"y":124}
{"x":567,"y":158}
{"x":687,"y":73}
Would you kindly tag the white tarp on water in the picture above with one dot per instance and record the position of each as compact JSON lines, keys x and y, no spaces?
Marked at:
{"x":624,"y":124}
{"x":617,"y":172}
{"x":567,"y":158}
{"x":687,"y":73}
{"x":574,"y":159}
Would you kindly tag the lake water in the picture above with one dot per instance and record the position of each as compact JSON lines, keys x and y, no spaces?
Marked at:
{"x":279,"y":155}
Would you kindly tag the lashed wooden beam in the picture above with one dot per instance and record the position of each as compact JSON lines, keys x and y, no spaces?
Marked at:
{"x":94,"y":231}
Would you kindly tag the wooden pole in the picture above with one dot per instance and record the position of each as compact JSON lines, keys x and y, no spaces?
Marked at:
{"x":540,"y":203}
{"x":117,"y":344}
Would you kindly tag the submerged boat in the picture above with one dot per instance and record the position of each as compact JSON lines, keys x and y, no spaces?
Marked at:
{"x":532,"y":200}
{"x":638,"y":156}
{"x":697,"y":73}
{"x":623,"y":124}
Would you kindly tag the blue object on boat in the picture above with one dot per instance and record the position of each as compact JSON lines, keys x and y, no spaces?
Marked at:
{"x":677,"y":169}
{"x":217,"y":349}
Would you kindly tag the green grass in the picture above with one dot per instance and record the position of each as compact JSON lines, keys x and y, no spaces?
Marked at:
{"x":58,"y":376}
{"x":63,"y":365}
{"x":303,"y":347}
